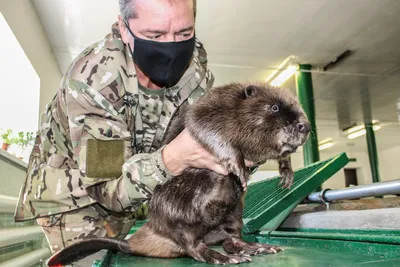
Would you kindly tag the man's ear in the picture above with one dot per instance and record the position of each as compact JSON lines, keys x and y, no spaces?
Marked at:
{"x":123,"y":30}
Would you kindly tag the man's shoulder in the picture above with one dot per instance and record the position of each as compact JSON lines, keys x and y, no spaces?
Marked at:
{"x":97,"y":65}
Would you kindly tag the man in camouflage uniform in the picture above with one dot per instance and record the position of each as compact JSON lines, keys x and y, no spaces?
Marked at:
{"x":98,"y":155}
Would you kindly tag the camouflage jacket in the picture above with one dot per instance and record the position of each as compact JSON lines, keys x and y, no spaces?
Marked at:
{"x":89,"y":145}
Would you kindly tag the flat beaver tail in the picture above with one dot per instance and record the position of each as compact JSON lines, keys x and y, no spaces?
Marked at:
{"x":144,"y":242}
{"x":84,"y":248}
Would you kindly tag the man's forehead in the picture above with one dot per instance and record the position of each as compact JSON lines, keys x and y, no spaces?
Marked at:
{"x":159,"y":7}
{"x":163,"y":16}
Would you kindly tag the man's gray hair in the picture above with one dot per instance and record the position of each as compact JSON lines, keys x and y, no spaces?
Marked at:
{"x":127,"y":9}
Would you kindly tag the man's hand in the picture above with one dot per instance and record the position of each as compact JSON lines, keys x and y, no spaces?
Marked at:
{"x":184,"y":151}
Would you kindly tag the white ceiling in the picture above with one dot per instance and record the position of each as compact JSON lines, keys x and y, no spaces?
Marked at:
{"x":247,"y":40}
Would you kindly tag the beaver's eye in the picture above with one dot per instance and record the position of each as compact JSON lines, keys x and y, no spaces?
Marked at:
{"x":275,"y":108}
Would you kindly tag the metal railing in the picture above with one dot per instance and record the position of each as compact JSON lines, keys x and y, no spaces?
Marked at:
{"x":7,"y":204}
{"x":28,"y":259}
{"x":13,"y":236}
{"x":361,"y":191}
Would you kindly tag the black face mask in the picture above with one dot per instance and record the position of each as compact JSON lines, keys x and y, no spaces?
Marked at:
{"x":163,"y":62}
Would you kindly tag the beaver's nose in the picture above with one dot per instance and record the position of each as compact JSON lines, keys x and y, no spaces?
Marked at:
{"x":304,"y":127}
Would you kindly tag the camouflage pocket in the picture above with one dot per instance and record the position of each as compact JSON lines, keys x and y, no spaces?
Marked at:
{"x":104,"y":159}
{"x":107,"y":148}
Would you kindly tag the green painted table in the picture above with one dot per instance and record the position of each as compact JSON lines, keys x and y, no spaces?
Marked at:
{"x":291,"y":257}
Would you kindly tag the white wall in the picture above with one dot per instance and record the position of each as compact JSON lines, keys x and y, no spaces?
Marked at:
{"x":22,"y":19}
{"x":361,"y":166}
{"x":26,"y":26}
{"x":12,"y":174}
{"x":389,"y":163}
{"x":19,"y":87}
{"x":40,"y":77}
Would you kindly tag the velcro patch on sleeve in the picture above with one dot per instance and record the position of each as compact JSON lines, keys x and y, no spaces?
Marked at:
{"x":104,"y":159}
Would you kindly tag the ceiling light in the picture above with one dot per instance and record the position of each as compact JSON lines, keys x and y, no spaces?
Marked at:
{"x":362,"y":132}
{"x":358,"y":127}
{"x":283,"y":73}
{"x":325,"y":146}
{"x":355,"y":129}
{"x":284,"y":63}
{"x":326,"y":143}
{"x":357,"y":134}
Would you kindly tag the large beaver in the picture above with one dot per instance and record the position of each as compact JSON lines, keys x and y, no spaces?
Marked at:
{"x":200,"y":207}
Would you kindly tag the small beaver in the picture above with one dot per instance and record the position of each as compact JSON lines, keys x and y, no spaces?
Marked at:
{"x":200,"y":208}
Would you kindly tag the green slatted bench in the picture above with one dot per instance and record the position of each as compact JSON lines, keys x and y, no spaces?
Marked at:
{"x":267,"y":204}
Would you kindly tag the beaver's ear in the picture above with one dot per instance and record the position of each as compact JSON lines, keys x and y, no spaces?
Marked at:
{"x":250,"y":91}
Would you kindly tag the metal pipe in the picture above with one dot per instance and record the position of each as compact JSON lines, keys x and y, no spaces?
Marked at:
{"x":29,"y":259}
{"x":7,"y":204}
{"x":305,"y":93}
{"x":371,"y":190}
{"x":19,"y":235}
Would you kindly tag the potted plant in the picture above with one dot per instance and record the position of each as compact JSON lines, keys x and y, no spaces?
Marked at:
{"x":23,"y":140}
{"x":7,"y":138}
